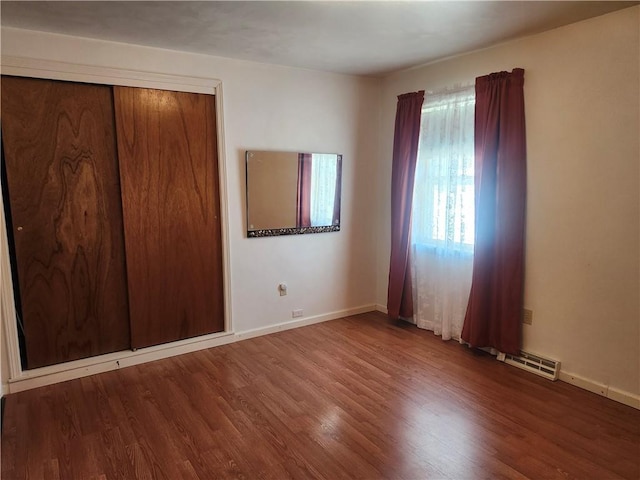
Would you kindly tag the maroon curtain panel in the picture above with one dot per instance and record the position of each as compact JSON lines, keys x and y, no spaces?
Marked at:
{"x":405,"y":156}
{"x":303,"y":207}
{"x":493,"y":317}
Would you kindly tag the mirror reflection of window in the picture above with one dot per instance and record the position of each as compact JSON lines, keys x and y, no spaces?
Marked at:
{"x":292,"y":192}
{"x":324,"y":176}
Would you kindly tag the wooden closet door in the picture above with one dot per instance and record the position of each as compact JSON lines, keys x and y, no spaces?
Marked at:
{"x":64,"y":196}
{"x":169,"y":176}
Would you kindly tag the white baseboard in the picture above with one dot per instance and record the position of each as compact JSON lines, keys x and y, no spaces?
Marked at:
{"x":40,"y":377}
{"x":624,"y":397}
{"x":381,"y":308}
{"x":256,"y":332}
{"x":612,"y":393}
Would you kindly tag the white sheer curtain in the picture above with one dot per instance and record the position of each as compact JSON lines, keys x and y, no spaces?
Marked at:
{"x":324,"y":171}
{"x":443,"y":212}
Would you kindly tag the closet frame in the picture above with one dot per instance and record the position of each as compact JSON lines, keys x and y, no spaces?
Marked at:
{"x":20,"y":379}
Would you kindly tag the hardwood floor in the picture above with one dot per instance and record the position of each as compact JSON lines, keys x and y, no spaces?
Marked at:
{"x":359,"y":397}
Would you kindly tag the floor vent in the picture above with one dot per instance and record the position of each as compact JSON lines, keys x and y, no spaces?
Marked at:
{"x":533,"y":363}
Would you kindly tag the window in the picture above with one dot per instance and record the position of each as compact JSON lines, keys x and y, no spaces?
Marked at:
{"x":324,"y":175}
{"x":443,"y":212}
{"x":443,"y":197}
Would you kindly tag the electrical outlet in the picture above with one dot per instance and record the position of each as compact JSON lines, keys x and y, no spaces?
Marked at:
{"x":296,"y":313}
{"x":527,"y":316}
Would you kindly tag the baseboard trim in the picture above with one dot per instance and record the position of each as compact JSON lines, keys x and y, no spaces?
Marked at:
{"x":624,"y":397}
{"x":381,"y":308}
{"x":615,"y":394}
{"x":41,"y":377}
{"x":257,"y":332}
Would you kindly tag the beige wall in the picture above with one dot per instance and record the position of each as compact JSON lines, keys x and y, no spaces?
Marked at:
{"x":582,"y":255}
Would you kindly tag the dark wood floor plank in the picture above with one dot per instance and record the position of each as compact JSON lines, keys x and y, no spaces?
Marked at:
{"x":359,"y":397}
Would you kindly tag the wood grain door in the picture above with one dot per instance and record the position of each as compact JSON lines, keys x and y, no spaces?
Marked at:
{"x":169,"y":177}
{"x":64,"y":195}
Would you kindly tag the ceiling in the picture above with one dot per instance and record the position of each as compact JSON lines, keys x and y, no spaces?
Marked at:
{"x":362,"y":37}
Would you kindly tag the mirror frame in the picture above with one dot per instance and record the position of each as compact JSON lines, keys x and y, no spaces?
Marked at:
{"x":272,"y":232}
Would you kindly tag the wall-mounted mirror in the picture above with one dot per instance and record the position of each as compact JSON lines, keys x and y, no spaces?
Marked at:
{"x":291,"y":192}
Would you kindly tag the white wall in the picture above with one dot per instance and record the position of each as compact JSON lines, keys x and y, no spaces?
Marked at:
{"x":270,"y":108}
{"x":582,"y":255}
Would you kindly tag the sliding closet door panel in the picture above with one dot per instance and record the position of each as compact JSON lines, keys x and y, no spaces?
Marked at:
{"x":169,"y":178}
{"x":64,"y":195}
